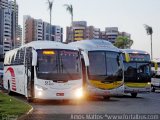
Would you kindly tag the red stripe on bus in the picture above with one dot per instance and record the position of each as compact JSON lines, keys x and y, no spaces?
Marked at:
{"x":11,"y":70}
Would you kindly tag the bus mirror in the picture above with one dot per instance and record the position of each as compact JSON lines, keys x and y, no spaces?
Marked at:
{"x":34,"y":58}
{"x":127,"y":58}
{"x":86,"y":59}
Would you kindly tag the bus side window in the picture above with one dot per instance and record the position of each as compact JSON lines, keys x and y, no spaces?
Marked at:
{"x":17,"y":59}
{"x":22,"y":56}
{"x":12,"y":60}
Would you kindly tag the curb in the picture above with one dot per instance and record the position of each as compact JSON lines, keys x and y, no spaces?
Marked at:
{"x":24,"y":117}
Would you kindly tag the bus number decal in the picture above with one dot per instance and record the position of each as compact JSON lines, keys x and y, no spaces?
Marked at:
{"x":48,"y":83}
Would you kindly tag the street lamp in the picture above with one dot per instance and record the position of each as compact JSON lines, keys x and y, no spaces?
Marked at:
{"x":149,"y":32}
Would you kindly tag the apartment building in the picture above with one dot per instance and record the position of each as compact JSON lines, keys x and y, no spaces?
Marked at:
{"x":80,"y":31}
{"x":8,"y":25}
{"x":37,"y":29}
{"x":19,"y":37}
{"x":111,"y":33}
{"x":92,"y":32}
{"x":57,"y":33}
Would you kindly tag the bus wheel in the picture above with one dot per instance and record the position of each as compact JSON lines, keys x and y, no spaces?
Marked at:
{"x":153,"y":89}
{"x":9,"y":89}
{"x":134,"y":95}
{"x":106,"y":97}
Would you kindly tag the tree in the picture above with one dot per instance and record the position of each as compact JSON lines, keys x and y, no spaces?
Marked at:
{"x":50,"y":5}
{"x":123,"y":42}
{"x":149,"y":31}
{"x":69,"y":8}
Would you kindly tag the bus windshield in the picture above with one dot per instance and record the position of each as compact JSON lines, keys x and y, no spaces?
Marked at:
{"x":58,"y":65}
{"x":137,"y":72}
{"x":105,"y":66}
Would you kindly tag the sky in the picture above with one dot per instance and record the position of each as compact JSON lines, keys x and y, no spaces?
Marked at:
{"x":128,"y":15}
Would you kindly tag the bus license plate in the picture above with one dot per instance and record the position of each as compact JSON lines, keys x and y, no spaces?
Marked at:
{"x":59,"y":94}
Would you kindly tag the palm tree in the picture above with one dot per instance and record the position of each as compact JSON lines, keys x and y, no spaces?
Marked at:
{"x":69,"y":8}
{"x":50,"y":5}
{"x":123,"y":42}
{"x":149,"y":31}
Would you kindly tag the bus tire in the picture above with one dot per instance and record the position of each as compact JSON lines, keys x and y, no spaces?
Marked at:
{"x":106,"y":97}
{"x":134,"y":95}
{"x":9,"y":89}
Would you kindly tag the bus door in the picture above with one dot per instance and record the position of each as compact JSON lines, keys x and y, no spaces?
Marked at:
{"x":29,"y":80}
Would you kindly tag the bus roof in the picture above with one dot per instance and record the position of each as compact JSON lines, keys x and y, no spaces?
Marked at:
{"x":95,"y":44}
{"x":134,"y":51}
{"x":45,"y":45}
{"x":39,"y":45}
{"x":48,"y":45}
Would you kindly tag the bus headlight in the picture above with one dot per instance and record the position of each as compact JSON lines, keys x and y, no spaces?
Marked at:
{"x":149,"y":83}
{"x":40,"y":88}
{"x":79,"y":92}
{"x":39,"y":93}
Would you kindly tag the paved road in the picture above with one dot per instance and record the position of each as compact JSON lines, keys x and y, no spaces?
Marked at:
{"x":143,"y":104}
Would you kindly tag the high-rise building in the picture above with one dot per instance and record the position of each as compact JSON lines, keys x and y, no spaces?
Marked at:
{"x":111,"y":33}
{"x":77,"y":31}
{"x":57,"y":33}
{"x":19,"y":37}
{"x":103,"y":35}
{"x":8,"y":25}
{"x":3,"y":4}
{"x":5,"y":26}
{"x":46,"y":31}
{"x":80,"y":31}
{"x":92,"y":32}
{"x":33,"y":29}
{"x":28,"y":29}
{"x":14,"y":14}
{"x":36,"y":29}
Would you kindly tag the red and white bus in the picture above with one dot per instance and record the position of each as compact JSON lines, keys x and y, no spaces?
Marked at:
{"x":44,"y":70}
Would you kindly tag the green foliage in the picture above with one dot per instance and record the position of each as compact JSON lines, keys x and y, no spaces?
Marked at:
{"x":50,"y":5}
{"x":12,"y":106}
{"x":123,"y":42}
{"x":69,"y":8}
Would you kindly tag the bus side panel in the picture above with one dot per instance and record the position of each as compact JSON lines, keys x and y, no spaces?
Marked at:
{"x":19,"y":72}
{"x":6,"y":77}
{"x":13,"y":75}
